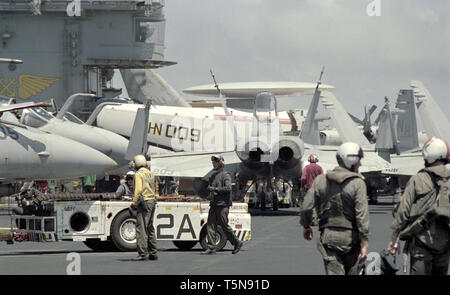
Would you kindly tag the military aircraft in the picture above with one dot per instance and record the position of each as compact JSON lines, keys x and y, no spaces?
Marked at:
{"x":398,"y":138}
{"x":330,"y":136}
{"x":29,"y":153}
{"x":404,"y":155}
{"x":196,"y":129}
{"x":197,"y":133}
{"x":260,"y":157}
{"x":372,"y":164}
{"x":68,"y":125}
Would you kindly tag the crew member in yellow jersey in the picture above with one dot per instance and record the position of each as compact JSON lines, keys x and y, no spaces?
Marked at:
{"x":144,"y":201}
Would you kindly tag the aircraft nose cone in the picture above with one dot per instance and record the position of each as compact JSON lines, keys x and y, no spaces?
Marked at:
{"x":97,"y":140}
{"x":66,"y":158}
{"x":117,"y":145}
{"x":104,"y":141}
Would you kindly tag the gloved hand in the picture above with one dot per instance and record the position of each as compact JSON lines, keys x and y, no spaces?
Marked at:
{"x":212,"y":189}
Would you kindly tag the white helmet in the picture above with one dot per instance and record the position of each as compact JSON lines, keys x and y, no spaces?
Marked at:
{"x":350,"y":153}
{"x":140,"y":161}
{"x":130,"y":175}
{"x":435,"y":149}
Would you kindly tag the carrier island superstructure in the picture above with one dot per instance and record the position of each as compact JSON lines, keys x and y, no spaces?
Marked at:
{"x":74,"y":46}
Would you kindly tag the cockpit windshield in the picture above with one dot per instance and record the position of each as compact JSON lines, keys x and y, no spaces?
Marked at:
{"x":265,"y":102}
{"x":43,"y":113}
{"x":35,"y":117}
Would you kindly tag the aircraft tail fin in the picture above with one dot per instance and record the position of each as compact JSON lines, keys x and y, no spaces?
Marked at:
{"x":407,"y":134}
{"x":310,"y":130}
{"x":433,"y":118}
{"x":386,"y":133}
{"x":138,"y":139}
{"x":142,"y":84}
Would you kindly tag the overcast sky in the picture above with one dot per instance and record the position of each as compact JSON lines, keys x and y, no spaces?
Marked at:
{"x":365,"y":57}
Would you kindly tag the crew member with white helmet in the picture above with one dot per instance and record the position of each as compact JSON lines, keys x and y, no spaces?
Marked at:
{"x":340,"y":198}
{"x":126,"y":187}
{"x":422,"y":218}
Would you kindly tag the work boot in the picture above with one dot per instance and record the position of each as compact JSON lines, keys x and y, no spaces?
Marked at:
{"x":141,"y":258}
{"x":237,"y":247}
{"x":152,"y":257}
{"x":209,"y":252}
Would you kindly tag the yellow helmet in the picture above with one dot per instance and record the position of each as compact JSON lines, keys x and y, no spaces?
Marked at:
{"x":139,"y":161}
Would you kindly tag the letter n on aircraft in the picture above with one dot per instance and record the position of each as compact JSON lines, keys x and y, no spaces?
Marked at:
{"x":156,"y":128}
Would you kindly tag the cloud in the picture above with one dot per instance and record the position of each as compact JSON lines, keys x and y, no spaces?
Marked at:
{"x":366,"y":58}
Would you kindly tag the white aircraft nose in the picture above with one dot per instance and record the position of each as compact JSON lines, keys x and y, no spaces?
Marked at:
{"x":75,"y":159}
{"x":91,"y":161}
{"x":117,"y":145}
{"x":85,"y":134}
{"x":107,"y":142}
{"x":40,"y":155}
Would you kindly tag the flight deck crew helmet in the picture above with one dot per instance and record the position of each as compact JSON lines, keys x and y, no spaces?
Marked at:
{"x":217,"y":158}
{"x":129,"y":175}
{"x":313,"y":158}
{"x":349,"y":154}
{"x":436,"y":149}
{"x":139,"y":161}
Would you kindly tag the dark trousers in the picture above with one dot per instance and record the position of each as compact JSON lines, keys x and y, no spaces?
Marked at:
{"x":218,"y":215}
{"x":88,"y":189}
{"x":145,"y":231}
{"x":424,"y":262}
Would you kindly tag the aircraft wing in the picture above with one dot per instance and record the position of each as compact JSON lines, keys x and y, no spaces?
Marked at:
{"x":327,"y":158}
{"x":190,"y":164}
{"x":407,"y":164}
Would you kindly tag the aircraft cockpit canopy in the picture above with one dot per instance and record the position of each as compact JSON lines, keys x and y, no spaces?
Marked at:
{"x":265,"y":102}
{"x":35,"y":117}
